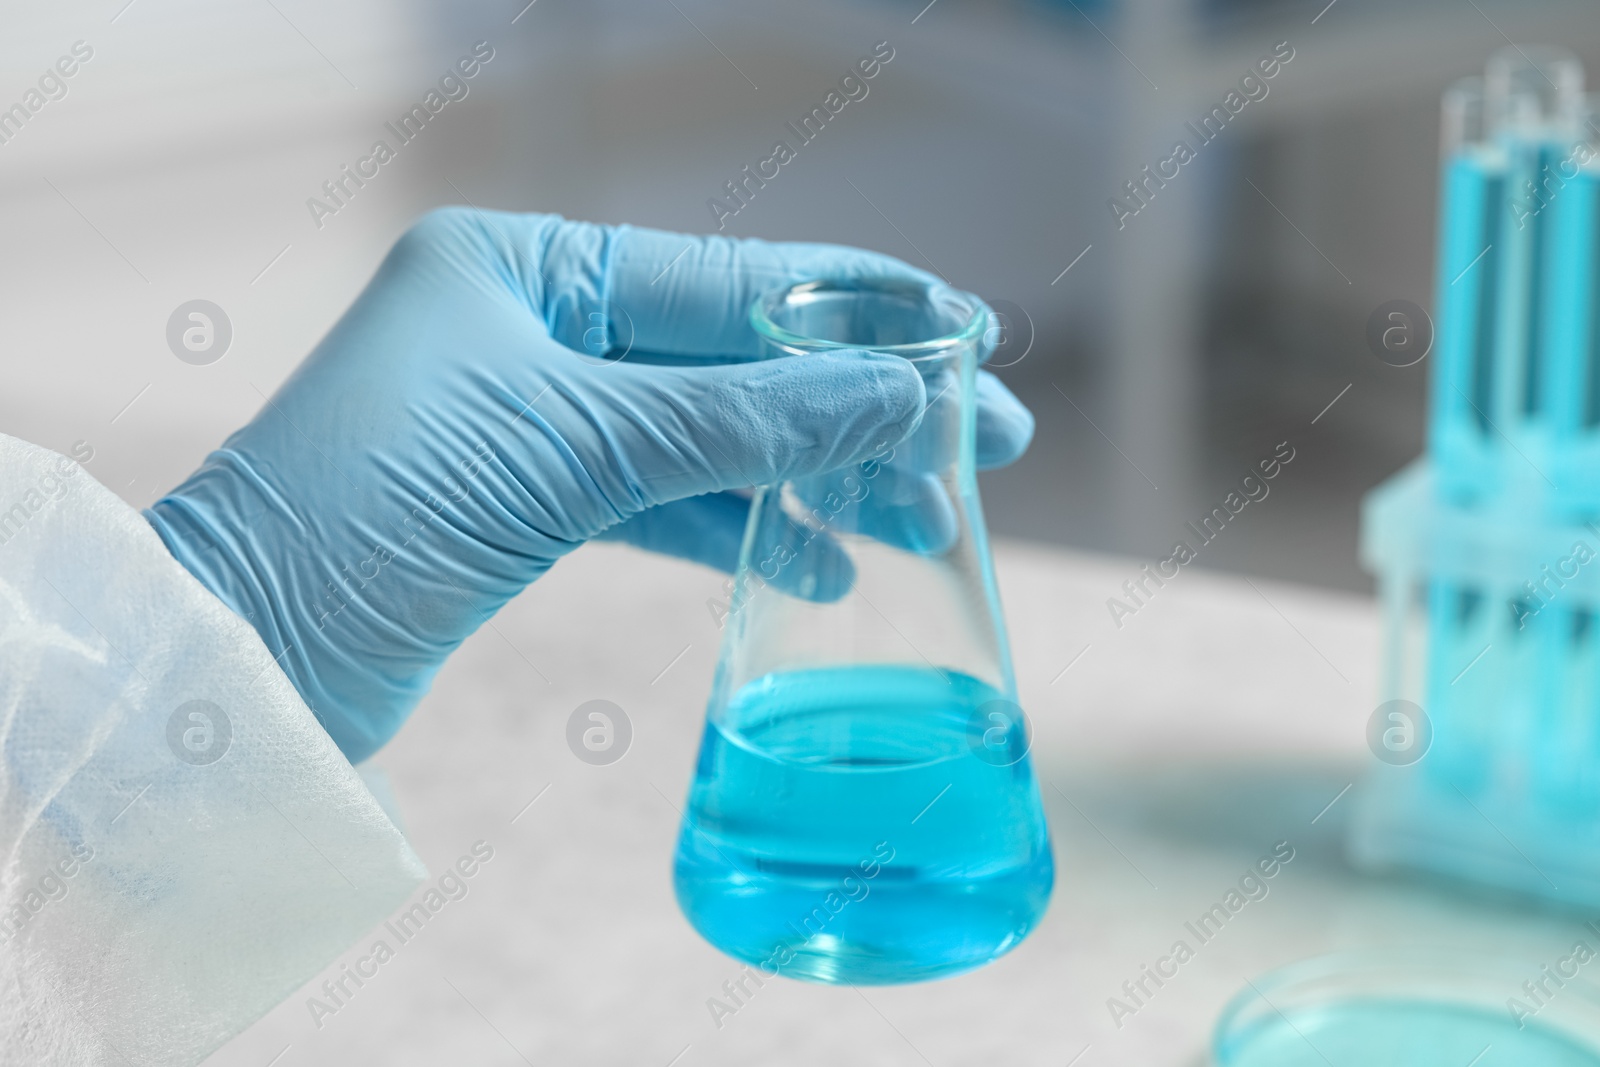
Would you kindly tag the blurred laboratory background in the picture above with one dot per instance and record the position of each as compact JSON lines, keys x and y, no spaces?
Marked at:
{"x":1183,"y":344}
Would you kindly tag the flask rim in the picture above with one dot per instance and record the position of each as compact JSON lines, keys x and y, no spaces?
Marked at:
{"x":798,"y":344}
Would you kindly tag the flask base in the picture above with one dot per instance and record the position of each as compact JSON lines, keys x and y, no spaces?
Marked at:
{"x":893,"y":929}
{"x":864,"y":825}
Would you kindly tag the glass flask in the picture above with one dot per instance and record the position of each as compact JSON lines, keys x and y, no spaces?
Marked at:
{"x":864,"y":810}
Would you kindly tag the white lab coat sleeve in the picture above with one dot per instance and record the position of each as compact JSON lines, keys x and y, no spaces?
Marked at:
{"x":181,"y":845}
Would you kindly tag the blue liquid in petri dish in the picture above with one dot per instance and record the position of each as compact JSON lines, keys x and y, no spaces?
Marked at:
{"x":842,"y":829}
{"x":1401,"y":1033}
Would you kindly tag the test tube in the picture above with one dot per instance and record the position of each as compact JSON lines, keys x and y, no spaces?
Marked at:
{"x":1471,"y":184}
{"x":1573,"y":387}
{"x":1531,"y":96}
{"x":1471,"y":180}
{"x":1586,"y":231}
{"x":1565,"y":743}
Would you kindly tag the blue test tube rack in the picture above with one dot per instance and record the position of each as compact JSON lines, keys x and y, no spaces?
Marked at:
{"x":1487,"y":549}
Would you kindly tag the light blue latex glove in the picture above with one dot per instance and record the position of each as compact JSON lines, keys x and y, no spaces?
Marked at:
{"x":468,"y":422}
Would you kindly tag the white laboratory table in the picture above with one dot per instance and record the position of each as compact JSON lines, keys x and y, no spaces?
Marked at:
{"x":1219,"y":720}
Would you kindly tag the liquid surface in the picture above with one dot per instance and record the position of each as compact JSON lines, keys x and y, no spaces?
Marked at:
{"x":864,"y":825}
{"x":1389,"y":1033}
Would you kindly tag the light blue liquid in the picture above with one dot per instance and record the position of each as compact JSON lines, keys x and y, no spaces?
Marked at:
{"x":841,"y":828}
{"x":1397,"y":1033}
{"x":1469,"y":306}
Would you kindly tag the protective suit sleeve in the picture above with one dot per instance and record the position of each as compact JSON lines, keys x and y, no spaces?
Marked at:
{"x":181,"y":845}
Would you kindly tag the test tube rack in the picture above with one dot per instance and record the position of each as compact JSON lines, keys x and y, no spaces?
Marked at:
{"x":1487,"y":549}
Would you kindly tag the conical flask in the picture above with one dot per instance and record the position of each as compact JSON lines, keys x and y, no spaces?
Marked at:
{"x":864,"y":810}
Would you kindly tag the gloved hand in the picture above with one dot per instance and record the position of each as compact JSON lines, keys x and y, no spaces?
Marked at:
{"x":467,"y":422}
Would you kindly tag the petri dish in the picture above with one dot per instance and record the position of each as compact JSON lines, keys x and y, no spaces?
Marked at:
{"x":1413,"y":1009}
